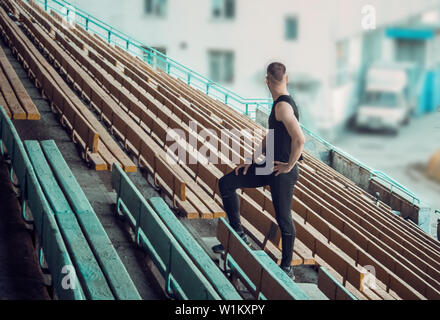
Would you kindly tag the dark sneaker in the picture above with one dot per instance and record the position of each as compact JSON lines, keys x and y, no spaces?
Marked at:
{"x":289,"y":271}
{"x":218,"y":249}
{"x":246,"y":239}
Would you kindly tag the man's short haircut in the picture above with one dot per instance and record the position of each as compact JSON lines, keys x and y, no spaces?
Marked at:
{"x":276,"y":71}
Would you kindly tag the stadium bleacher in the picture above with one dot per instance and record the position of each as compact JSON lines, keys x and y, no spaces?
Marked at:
{"x":341,"y":229}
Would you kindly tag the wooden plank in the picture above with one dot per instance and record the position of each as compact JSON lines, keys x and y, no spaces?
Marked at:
{"x":207,"y":177}
{"x":91,"y":276}
{"x":201,"y":208}
{"x":77,"y":123}
{"x":218,"y":211}
{"x":197,"y":254}
{"x":379,"y":217}
{"x":266,"y":275}
{"x":55,"y":251}
{"x":170,"y":177}
{"x":10,"y":98}
{"x":275,"y":283}
{"x":187,"y":208}
{"x":332,"y":288}
{"x":304,"y":252}
{"x":117,"y":276}
{"x":170,"y":258}
{"x":265,"y":223}
{"x":98,"y":163}
{"x":21,"y":93}
{"x":107,"y":156}
{"x":397,"y":250}
{"x":241,"y":254}
{"x":110,"y":143}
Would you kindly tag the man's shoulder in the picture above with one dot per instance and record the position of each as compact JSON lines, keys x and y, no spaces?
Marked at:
{"x":283,"y":110}
{"x":283,"y":106}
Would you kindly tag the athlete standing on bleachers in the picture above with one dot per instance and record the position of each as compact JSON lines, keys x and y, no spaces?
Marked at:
{"x":284,"y":150}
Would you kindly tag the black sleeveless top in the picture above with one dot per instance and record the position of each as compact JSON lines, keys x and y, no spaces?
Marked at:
{"x":282,"y":140}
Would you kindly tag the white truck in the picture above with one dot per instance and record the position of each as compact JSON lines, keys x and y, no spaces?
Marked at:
{"x":385,"y":102}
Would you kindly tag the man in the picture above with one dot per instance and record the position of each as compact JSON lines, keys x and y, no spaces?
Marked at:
{"x":285,"y":150}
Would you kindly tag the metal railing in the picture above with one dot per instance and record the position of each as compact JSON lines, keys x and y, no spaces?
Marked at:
{"x":157,"y":59}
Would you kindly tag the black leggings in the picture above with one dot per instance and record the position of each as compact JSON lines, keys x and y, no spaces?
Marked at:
{"x":281,"y":187}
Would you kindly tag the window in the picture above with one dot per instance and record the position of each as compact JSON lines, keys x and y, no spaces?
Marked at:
{"x":291,"y":28}
{"x":223,"y":9}
{"x":221,"y":66}
{"x":156,"y":7}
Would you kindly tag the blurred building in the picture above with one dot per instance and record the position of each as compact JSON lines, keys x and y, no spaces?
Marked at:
{"x":326,"y":45}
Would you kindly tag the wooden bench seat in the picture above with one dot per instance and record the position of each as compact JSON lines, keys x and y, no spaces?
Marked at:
{"x":332,"y":288}
{"x":128,"y":193}
{"x":358,"y":227}
{"x":182,"y":278}
{"x":22,"y":97}
{"x":36,"y":62}
{"x":389,"y":224}
{"x":117,"y":276}
{"x":10,"y":98}
{"x":95,"y":286}
{"x":121,"y":125}
{"x":257,"y":268}
{"x":49,"y":238}
{"x":105,"y":137}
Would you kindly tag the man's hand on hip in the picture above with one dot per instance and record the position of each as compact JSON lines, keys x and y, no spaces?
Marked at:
{"x":281,"y":167}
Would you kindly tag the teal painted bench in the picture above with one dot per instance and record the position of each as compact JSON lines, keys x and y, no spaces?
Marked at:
{"x":197,"y":254}
{"x":111,"y":265}
{"x":331,"y":287}
{"x":187,"y":269}
{"x":50,"y":240}
{"x":87,"y":268}
{"x":45,"y":177}
{"x":256,"y":270}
